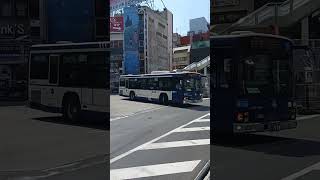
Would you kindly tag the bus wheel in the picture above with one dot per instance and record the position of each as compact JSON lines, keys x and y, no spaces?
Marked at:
{"x":132,"y":96}
{"x":71,"y":109}
{"x":164,"y":99}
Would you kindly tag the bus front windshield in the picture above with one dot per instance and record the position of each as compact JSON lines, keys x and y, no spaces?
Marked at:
{"x":192,"y":84}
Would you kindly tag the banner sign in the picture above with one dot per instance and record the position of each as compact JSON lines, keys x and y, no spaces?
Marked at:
{"x":131,"y":41}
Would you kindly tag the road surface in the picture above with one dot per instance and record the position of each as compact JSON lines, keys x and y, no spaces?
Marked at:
{"x":287,"y":155}
{"x":161,"y":142}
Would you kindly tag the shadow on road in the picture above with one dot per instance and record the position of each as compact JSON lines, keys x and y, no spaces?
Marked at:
{"x":92,"y":123}
{"x":4,"y":103}
{"x":271,"y":145}
{"x":195,"y":107}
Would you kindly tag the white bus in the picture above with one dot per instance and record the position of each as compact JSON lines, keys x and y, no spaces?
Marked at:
{"x":70,"y":78}
{"x":164,"y":87}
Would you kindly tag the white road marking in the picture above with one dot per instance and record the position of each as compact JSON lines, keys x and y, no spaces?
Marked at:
{"x":152,"y":141}
{"x":136,"y":113}
{"x":203,"y":120}
{"x":303,"y":172}
{"x":193,"y":129}
{"x":174,"y":144}
{"x":153,"y":170}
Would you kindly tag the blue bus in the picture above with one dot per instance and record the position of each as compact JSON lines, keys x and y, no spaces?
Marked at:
{"x":164,"y":87}
{"x":253,"y":84}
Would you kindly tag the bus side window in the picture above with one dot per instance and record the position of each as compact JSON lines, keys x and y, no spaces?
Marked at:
{"x":224,"y":74}
{"x":143,"y":84}
{"x":127,"y":83}
{"x":122,"y":83}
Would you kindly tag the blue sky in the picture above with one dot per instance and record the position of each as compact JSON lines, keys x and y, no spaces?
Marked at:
{"x":184,"y":10}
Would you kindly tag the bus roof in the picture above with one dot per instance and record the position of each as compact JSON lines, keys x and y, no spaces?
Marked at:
{"x":60,"y":46}
{"x":162,"y":74}
{"x":251,"y":34}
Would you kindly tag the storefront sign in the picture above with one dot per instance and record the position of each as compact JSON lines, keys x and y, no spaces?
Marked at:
{"x":11,"y":30}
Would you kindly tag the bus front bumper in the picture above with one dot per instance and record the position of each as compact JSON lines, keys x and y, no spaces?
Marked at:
{"x":186,"y":100}
{"x":260,"y":127}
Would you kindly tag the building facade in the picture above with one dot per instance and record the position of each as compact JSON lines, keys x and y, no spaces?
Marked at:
{"x":181,"y":57}
{"x":155,"y":40}
{"x":199,"y":51}
{"x":19,"y":28}
{"x":198,"y":25}
{"x":75,"y":20}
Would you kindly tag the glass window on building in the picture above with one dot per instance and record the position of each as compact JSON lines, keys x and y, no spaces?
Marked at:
{"x":101,"y":8}
{"x":102,"y":27}
{"x":5,"y":8}
{"x":21,"y":8}
{"x":34,"y":9}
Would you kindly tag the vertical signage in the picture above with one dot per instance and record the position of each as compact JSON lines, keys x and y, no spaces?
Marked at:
{"x":131,"y":40}
{"x":116,"y":24}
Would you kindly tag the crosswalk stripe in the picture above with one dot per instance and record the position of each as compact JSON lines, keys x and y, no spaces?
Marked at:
{"x":193,"y":129}
{"x":153,"y":170}
{"x":203,"y":120}
{"x":174,"y":144}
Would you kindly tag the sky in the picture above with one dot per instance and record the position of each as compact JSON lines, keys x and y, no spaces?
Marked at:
{"x":183,"y":11}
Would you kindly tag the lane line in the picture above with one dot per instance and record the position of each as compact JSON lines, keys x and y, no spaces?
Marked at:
{"x":152,"y":141}
{"x":153,"y":170}
{"x":203,"y":120}
{"x":174,"y":144}
{"x":303,"y":172}
{"x":193,"y":129}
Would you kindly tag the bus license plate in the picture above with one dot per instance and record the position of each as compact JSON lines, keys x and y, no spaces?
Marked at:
{"x":275,"y":127}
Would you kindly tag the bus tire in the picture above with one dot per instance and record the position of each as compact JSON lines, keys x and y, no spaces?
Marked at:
{"x":71,"y":108}
{"x":163,"y":99}
{"x":132,"y":96}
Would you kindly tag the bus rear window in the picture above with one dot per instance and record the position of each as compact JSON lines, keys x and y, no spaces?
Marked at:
{"x":39,"y":67}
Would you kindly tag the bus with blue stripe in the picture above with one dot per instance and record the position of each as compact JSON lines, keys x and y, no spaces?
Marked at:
{"x":164,"y":87}
{"x":253,"y":83}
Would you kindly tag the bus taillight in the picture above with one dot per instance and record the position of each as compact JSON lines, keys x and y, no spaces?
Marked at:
{"x":242,"y":116}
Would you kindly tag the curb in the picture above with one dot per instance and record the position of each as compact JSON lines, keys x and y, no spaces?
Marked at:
{"x":204,"y":174}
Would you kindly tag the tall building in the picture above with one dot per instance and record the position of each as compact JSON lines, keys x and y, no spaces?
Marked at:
{"x":147,"y":40}
{"x":158,"y":39}
{"x":198,"y":25}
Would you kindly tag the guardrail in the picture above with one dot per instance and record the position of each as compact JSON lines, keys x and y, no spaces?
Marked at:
{"x":199,"y":65}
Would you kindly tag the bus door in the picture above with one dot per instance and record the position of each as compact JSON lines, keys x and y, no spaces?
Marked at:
{"x":126,"y":92}
{"x":51,"y":92}
{"x":154,"y":88}
{"x":224,"y":96}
